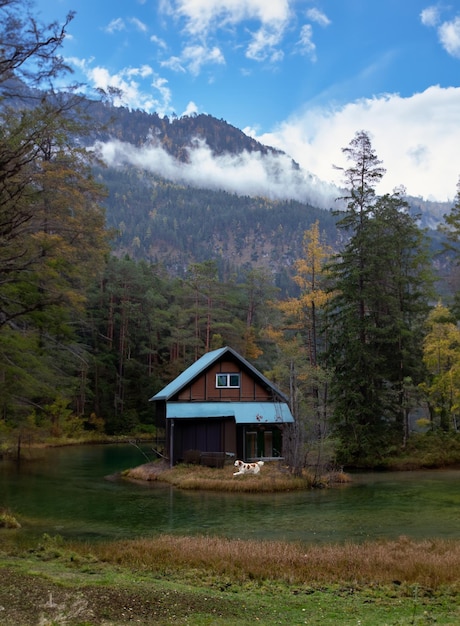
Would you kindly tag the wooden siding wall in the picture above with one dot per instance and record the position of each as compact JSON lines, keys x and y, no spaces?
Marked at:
{"x":204,"y":388}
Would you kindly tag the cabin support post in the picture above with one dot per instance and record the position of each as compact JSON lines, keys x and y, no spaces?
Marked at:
{"x":171,"y":444}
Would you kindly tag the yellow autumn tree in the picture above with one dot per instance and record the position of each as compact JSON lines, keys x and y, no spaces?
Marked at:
{"x":441,"y":356}
{"x":304,"y":310}
{"x":300,"y":340}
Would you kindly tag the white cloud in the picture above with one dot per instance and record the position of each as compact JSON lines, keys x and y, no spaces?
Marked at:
{"x":264,"y":45}
{"x":174,"y":63}
{"x":417,"y":138}
{"x":448,"y":31}
{"x":127,"y":81}
{"x":160,"y":84}
{"x":449,"y":35}
{"x":158,"y":41}
{"x":430,"y":16}
{"x":190,"y":109}
{"x":138,"y":24}
{"x":305,"y":43}
{"x":193,"y":58}
{"x":143,"y":71}
{"x":197,"y":56}
{"x":315,"y":15}
{"x":119,"y":24}
{"x":115,"y":25}
{"x":250,"y":174}
{"x":203,"y":17}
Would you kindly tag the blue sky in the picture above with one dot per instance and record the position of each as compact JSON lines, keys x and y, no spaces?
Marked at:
{"x":301,"y":75}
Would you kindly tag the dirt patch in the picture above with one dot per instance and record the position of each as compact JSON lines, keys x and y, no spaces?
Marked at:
{"x":27,"y":600}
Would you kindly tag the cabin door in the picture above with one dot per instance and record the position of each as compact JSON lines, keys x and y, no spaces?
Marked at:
{"x":263,"y":443}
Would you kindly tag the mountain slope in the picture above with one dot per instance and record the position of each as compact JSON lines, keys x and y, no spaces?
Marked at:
{"x":196,"y":188}
{"x":176,"y":225}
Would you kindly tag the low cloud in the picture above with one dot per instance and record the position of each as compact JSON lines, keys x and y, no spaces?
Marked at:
{"x":251,"y":174}
{"x":417,"y":139}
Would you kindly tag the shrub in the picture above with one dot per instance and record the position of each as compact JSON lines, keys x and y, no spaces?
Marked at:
{"x":7,"y":520}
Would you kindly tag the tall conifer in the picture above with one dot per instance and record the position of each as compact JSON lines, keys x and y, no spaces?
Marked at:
{"x":380,"y":282}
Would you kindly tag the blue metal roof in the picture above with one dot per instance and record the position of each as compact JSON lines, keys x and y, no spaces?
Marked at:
{"x":242,"y":412}
{"x":187,"y":375}
{"x":199,"y":366}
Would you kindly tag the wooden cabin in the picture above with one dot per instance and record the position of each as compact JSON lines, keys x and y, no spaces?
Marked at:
{"x":221,"y":406}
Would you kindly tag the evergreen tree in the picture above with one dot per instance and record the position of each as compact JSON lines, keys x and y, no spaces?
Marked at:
{"x":381,"y":285}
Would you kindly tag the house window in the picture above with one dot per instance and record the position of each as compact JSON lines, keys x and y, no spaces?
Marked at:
{"x":227,"y":380}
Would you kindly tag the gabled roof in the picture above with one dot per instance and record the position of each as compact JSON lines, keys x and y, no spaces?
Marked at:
{"x":201,"y":365}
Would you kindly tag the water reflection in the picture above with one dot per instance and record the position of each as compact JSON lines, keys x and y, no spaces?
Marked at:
{"x":66,"y":492}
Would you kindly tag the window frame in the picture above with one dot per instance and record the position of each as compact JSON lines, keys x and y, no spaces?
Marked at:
{"x":228,"y":377}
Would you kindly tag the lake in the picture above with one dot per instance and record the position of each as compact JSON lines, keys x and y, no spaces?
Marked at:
{"x":66,"y":492}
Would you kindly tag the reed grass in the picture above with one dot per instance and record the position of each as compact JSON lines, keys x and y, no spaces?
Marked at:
{"x":431,"y":564}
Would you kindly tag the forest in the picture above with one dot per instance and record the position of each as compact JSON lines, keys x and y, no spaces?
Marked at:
{"x":112,"y":281}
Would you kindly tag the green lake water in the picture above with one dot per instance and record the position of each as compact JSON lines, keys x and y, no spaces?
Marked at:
{"x":66,"y":492}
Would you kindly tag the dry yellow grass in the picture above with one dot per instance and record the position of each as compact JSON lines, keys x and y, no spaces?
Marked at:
{"x":430,"y":563}
{"x":273,"y":477}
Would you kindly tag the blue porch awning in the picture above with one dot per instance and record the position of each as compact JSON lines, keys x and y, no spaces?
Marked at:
{"x":242,"y":412}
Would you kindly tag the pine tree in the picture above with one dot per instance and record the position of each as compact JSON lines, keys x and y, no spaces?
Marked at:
{"x":381,"y":281}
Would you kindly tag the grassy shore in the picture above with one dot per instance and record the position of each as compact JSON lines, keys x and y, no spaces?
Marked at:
{"x":205,"y":581}
{"x":273,"y":477}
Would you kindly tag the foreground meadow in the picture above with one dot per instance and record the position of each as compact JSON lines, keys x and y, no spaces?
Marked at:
{"x":205,"y":581}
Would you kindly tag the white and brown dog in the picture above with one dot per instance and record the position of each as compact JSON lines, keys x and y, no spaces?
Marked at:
{"x":247,"y":468}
